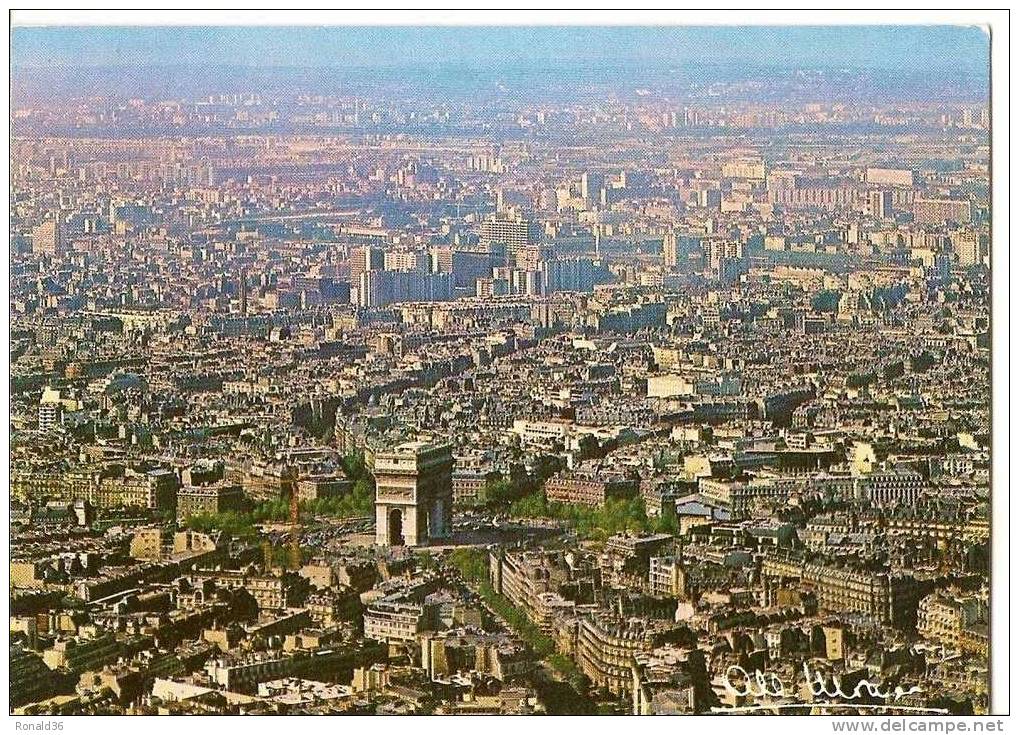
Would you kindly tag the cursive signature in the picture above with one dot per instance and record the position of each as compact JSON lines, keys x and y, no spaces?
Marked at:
{"x":767,"y":685}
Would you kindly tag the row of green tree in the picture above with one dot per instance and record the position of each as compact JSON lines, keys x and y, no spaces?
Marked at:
{"x":500,"y":492}
{"x":617,"y":515}
{"x":232,"y":523}
{"x":473,"y":565}
{"x":358,"y":502}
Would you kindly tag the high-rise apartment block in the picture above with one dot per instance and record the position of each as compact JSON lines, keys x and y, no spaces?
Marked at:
{"x":515,"y":233}
{"x":745,"y":169}
{"x":889,"y":176}
{"x":366,"y":258}
{"x":379,"y":288}
{"x":938,"y":211}
{"x":48,"y":237}
{"x":591,"y":185}
{"x":49,"y":409}
{"x":677,"y":247}
{"x":406,"y":260}
{"x":881,"y":204}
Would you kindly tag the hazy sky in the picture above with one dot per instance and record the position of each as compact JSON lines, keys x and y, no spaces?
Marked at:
{"x":907,"y":48}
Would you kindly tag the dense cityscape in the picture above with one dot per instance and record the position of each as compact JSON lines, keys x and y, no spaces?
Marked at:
{"x":663,"y":399}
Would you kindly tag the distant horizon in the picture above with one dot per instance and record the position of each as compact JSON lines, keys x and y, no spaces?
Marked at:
{"x":909,"y":49}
